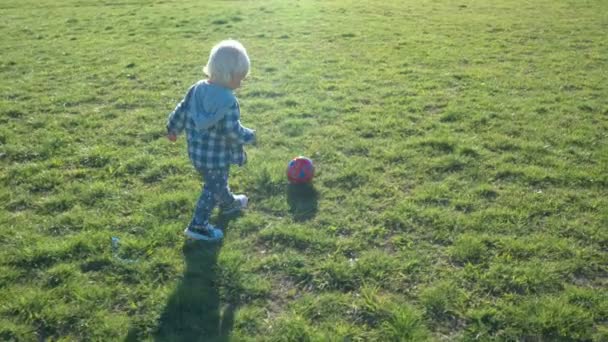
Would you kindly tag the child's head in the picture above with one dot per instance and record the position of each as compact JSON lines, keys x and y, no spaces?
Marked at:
{"x":228,"y":64}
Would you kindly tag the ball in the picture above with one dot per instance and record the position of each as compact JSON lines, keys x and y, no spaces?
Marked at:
{"x":300,"y":170}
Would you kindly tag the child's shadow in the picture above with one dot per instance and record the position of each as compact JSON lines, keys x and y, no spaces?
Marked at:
{"x":303,"y":201}
{"x":194,"y":311}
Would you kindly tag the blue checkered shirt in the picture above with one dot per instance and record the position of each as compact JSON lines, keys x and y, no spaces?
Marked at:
{"x":216,"y":140}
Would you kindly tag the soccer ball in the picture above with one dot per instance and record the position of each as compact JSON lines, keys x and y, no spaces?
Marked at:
{"x":300,"y":170}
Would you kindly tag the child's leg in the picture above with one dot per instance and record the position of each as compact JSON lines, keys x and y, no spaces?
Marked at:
{"x":224,"y":195}
{"x":215,"y":189}
{"x":231,"y":203}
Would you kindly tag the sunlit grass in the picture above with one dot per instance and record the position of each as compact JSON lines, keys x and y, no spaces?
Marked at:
{"x":460,"y":193}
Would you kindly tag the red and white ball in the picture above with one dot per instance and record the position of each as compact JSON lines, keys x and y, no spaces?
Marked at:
{"x":300,"y":170}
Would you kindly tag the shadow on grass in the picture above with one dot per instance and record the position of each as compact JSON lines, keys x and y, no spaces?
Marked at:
{"x":194,"y":311}
{"x":302,"y":200}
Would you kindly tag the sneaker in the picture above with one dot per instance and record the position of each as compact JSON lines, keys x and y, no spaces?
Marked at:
{"x":205,"y":233}
{"x":239,"y":203}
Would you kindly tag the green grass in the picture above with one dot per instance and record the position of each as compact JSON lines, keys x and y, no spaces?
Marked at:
{"x":462,"y":172}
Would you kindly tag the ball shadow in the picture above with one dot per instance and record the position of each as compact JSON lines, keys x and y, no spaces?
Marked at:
{"x":303,"y":201}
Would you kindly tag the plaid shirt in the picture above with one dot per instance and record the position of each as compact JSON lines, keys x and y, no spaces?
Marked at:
{"x":219,"y":145}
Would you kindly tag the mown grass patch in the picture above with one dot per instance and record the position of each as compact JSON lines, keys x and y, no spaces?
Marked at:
{"x":460,"y":188}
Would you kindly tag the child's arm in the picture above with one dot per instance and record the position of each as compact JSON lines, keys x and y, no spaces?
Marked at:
{"x":177,"y":119}
{"x":235,"y":130}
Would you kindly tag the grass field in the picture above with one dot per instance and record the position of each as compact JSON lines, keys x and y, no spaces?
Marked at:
{"x":461,"y":193}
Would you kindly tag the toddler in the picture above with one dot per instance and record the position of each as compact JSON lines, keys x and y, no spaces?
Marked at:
{"x":209,"y":113}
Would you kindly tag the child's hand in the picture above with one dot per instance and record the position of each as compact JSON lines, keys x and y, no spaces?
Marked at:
{"x":172,"y":137}
{"x":254,"y":140}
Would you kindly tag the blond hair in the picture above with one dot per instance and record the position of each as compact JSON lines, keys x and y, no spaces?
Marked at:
{"x":227,"y":59}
